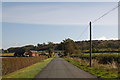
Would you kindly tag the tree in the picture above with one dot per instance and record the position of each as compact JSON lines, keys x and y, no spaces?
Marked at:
{"x":2,"y":50}
{"x":51,"y":48}
{"x":19,"y":52}
{"x":70,"y":47}
{"x":13,"y":49}
{"x":51,"y":51}
{"x":50,"y":44}
{"x":5,"y":51}
{"x":60,"y":46}
{"x":29,"y":47}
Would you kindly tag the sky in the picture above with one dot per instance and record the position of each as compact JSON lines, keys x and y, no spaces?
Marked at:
{"x":60,"y":0}
{"x":38,"y":22}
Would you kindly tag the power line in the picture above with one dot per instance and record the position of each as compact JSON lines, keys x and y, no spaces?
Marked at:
{"x":98,"y":19}
{"x":91,"y":31}
{"x":106,"y":13}
{"x":83,"y":32}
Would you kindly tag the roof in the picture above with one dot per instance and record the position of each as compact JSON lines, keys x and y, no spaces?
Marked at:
{"x":33,"y":51}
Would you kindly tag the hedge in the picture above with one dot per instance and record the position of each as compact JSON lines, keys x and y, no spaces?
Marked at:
{"x":11,"y":64}
{"x":104,"y":58}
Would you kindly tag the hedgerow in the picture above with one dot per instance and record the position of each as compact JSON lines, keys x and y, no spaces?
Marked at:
{"x":103,"y":58}
{"x":11,"y":64}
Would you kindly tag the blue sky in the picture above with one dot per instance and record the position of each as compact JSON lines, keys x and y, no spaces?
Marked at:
{"x":60,"y":0}
{"x":32,"y":23}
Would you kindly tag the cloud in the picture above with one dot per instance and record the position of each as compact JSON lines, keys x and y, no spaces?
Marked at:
{"x":101,"y":38}
{"x":113,"y":38}
{"x":104,"y":38}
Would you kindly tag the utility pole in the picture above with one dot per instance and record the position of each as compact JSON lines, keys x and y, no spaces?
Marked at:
{"x":90,"y":46}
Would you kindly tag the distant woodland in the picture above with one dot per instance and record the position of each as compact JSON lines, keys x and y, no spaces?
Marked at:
{"x":98,"y":46}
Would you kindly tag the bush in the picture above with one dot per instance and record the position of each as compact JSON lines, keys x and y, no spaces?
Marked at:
{"x":103,"y":58}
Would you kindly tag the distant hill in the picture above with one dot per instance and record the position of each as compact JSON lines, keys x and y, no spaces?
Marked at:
{"x":97,"y":46}
{"x":100,"y":45}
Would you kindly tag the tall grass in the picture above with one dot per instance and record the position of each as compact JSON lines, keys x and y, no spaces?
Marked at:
{"x":103,"y":58}
{"x":104,"y":65}
{"x":12,"y":64}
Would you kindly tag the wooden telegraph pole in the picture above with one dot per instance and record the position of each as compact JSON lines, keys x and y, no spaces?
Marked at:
{"x":90,"y":46}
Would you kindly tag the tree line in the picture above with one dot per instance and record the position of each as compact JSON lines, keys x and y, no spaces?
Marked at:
{"x":68,"y":47}
{"x":101,"y":46}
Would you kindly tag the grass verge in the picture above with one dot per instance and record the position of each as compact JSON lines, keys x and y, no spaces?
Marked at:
{"x":93,"y":70}
{"x":28,"y":72}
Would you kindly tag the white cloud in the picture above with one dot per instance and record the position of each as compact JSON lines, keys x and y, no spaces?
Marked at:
{"x":104,"y":38}
{"x":101,"y":38}
{"x":113,"y":38}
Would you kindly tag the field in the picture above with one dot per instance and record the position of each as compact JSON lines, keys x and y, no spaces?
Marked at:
{"x":11,"y":64}
{"x":7,"y":54}
{"x":104,"y":65}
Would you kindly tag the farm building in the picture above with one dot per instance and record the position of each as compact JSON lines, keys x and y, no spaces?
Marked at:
{"x":31,"y":53}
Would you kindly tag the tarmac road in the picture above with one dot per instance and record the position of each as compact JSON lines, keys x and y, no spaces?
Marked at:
{"x":59,"y":68}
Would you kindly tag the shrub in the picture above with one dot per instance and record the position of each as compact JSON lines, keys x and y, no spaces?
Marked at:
{"x":103,"y":58}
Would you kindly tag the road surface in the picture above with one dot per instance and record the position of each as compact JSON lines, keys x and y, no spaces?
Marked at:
{"x":59,"y":68}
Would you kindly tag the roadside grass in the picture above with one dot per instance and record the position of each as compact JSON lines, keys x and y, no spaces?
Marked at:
{"x":99,"y":72}
{"x":28,"y":72}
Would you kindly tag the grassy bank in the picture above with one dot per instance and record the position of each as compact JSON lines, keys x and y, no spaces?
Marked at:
{"x":100,"y":70}
{"x":28,"y":72}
